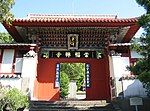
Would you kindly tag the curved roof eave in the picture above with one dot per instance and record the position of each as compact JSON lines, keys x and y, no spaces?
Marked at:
{"x":63,"y":21}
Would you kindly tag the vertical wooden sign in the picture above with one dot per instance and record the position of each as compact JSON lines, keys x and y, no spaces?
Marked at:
{"x":57,"y":78}
{"x":87,"y":74}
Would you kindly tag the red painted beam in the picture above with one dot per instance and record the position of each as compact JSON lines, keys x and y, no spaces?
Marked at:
{"x":131,"y":32}
{"x":13,"y":32}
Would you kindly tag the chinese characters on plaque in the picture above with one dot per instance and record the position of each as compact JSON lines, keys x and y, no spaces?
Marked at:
{"x":73,"y":41}
{"x":75,"y":54}
{"x":57,"y":78}
{"x":87,"y":74}
{"x":72,"y":51}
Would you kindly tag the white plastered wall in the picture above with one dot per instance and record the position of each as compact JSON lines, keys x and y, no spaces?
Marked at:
{"x":119,"y":67}
{"x":29,"y":71}
{"x":112,"y":77}
{"x":128,"y":87}
{"x":111,"y":67}
{"x":12,"y":82}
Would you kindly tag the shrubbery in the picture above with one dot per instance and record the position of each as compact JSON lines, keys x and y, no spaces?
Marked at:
{"x":64,"y":84}
{"x":12,"y":99}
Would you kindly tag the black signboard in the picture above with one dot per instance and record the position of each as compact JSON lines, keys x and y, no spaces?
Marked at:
{"x":72,"y":54}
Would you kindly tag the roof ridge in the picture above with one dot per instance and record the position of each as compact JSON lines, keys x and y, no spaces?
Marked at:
{"x":70,"y":16}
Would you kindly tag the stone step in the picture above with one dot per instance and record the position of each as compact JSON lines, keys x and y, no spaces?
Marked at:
{"x":70,"y":102}
{"x":75,"y":106}
{"x":70,"y":105}
{"x":70,"y":110}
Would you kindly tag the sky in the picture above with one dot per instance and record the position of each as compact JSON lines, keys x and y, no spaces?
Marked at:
{"x":121,"y":8}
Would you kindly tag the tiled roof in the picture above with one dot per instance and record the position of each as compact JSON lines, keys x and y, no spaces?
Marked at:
{"x":9,"y":76}
{"x":41,"y":20}
{"x":74,"y":18}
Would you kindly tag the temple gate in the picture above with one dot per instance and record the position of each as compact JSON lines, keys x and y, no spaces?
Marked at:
{"x":73,"y":39}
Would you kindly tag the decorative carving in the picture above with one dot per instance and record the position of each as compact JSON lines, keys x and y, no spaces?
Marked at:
{"x":58,"y":54}
{"x":45,"y":54}
{"x":114,"y":53}
{"x":98,"y":55}
{"x":68,"y":54}
{"x":77,"y":54}
{"x":86,"y":54}
{"x":82,"y":37}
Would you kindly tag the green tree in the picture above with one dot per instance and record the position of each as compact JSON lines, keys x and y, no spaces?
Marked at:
{"x":145,"y":4}
{"x":64,"y":84}
{"x":5,"y":7}
{"x":73,"y":70}
{"x":6,"y":38}
{"x":80,"y":82}
{"x":142,"y":67}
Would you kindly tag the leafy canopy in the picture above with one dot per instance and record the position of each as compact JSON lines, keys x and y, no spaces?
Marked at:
{"x":64,"y":84}
{"x":5,"y":7}
{"x":73,"y":70}
{"x":145,"y":4}
{"x":6,"y":38}
{"x":142,"y":67}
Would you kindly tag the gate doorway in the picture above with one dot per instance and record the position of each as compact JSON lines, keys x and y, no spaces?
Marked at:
{"x":72,"y":81}
{"x":47,"y":85}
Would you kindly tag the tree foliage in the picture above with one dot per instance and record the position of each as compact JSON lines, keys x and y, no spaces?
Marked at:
{"x":145,"y":4}
{"x":73,"y":70}
{"x":64,"y":84}
{"x":142,"y":67}
{"x":5,"y":7}
{"x":12,"y":99}
{"x":80,"y":83}
{"x":6,"y":38}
